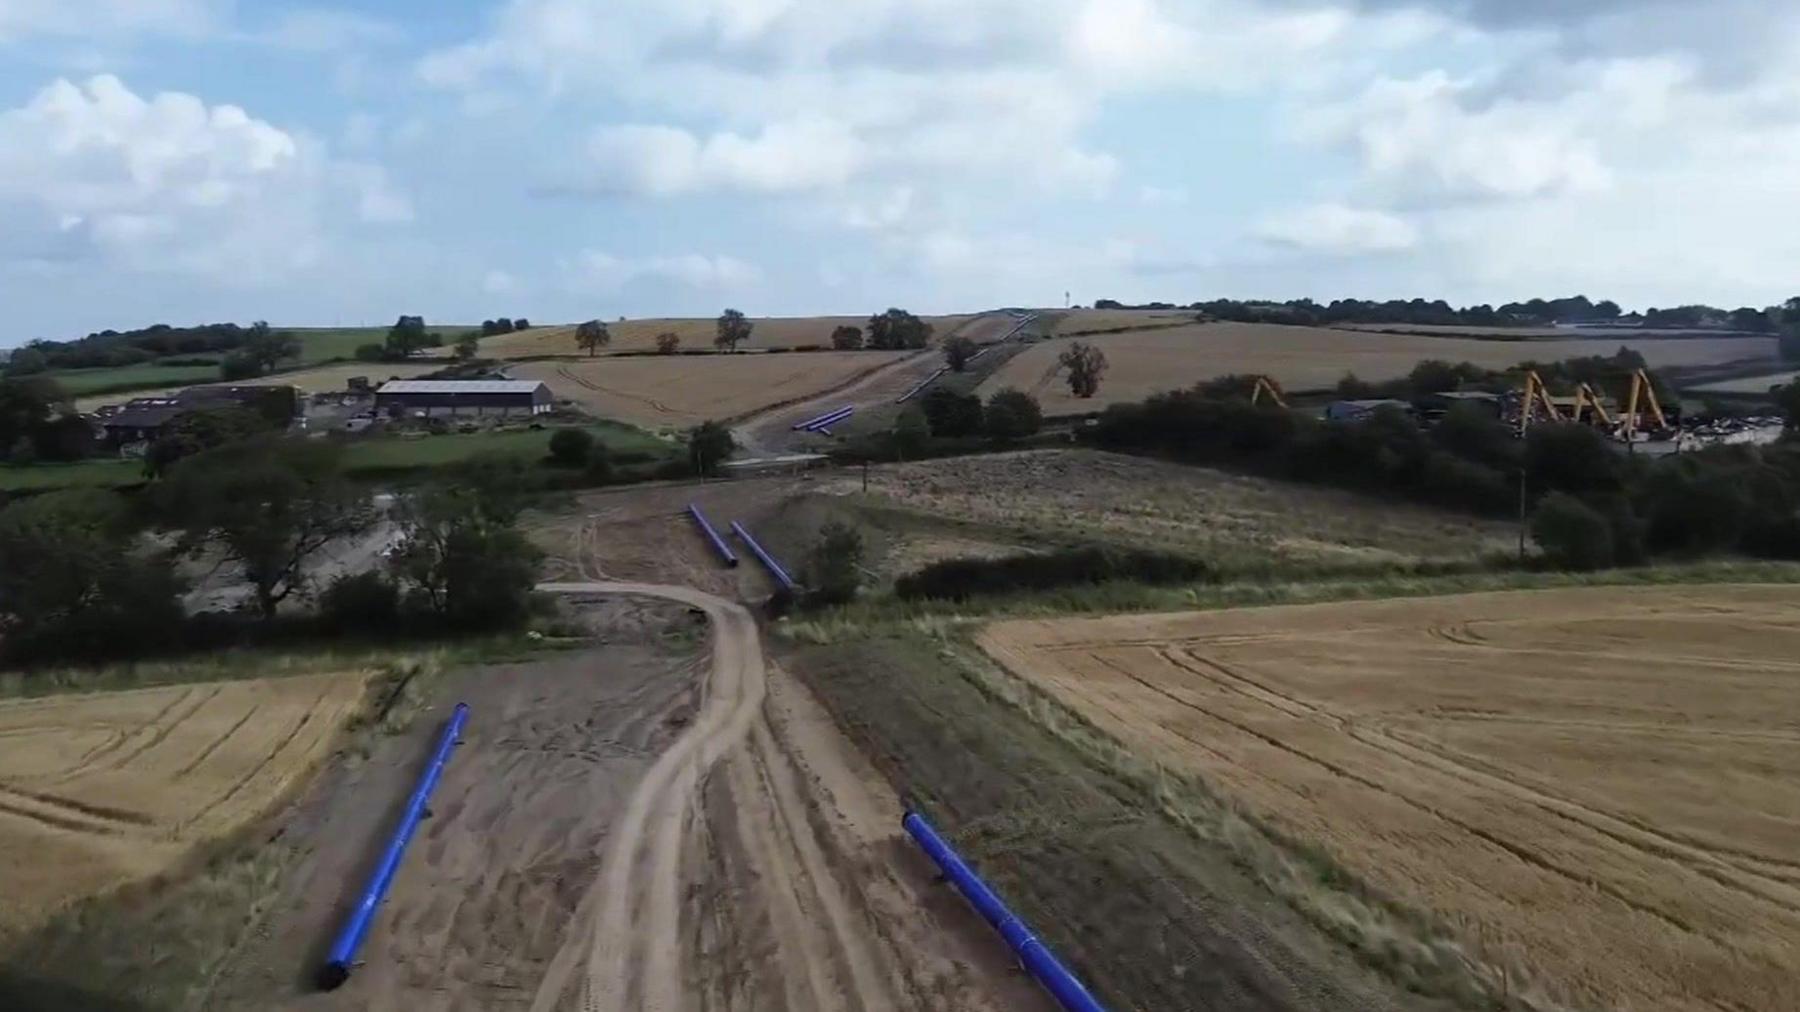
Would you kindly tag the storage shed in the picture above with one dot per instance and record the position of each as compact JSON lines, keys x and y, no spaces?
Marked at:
{"x":453,"y":397}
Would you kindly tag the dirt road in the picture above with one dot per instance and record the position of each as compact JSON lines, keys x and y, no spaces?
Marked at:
{"x":727,"y":883}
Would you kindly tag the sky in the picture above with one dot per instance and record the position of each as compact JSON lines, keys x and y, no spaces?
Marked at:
{"x":187,"y":161}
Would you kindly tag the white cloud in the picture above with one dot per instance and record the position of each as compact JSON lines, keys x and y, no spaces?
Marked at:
{"x":108,"y":18}
{"x":607,"y":272}
{"x":1162,"y":196}
{"x":497,"y":282}
{"x":169,"y":183}
{"x":784,"y":157}
{"x":1337,"y":229}
{"x":319,"y":30}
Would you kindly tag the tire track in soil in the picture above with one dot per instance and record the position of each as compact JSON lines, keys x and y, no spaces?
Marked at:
{"x":629,"y":947}
{"x":1712,"y":864}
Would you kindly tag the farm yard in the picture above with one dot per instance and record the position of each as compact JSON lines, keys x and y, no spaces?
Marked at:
{"x":1142,"y":363}
{"x":1599,"y":785}
{"x":318,"y":379}
{"x":98,"y":790}
{"x":669,"y":392}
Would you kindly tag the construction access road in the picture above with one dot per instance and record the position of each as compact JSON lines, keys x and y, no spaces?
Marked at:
{"x":662,"y":822}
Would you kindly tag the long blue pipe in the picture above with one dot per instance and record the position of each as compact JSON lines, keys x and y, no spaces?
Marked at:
{"x":712,"y":535}
{"x":842,"y":416}
{"x":831,"y":419}
{"x":827,"y":416}
{"x":929,"y":380}
{"x":1064,"y":986}
{"x":343,"y":951}
{"x":780,"y":574}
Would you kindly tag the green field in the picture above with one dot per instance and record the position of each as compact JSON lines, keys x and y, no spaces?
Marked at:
{"x":402,"y":454}
{"x":318,"y":345}
{"x":105,"y":473}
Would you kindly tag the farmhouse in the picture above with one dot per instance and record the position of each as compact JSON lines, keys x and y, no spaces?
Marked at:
{"x":142,"y":419}
{"x":429,"y":397}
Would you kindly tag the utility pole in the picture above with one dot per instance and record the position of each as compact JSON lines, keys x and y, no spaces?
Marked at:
{"x":1521,"y":512}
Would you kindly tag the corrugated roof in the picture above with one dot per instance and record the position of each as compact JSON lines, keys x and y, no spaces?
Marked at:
{"x":459,"y":386}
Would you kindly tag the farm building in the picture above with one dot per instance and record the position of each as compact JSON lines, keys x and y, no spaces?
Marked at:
{"x":451,"y":397}
{"x":142,"y":419}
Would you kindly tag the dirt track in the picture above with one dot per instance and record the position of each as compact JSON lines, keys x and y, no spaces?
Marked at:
{"x":789,"y":925}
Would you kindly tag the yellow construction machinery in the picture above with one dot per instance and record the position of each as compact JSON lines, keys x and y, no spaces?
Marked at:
{"x":1266,"y":387}
{"x":1536,"y":397}
{"x":1585,"y":397}
{"x":1642,"y":391}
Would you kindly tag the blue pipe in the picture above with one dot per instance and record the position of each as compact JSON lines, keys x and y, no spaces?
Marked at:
{"x":820,"y":418}
{"x":842,"y":416}
{"x":929,"y":380}
{"x":831,"y":419}
{"x":1068,"y":991}
{"x":343,"y":951}
{"x":780,"y":574}
{"x":712,"y":535}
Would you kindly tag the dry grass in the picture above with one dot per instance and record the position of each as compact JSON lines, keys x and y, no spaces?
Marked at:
{"x":1308,"y":358}
{"x":1600,"y":783}
{"x":1088,"y":495}
{"x":1522,"y":333}
{"x":1075,"y":321}
{"x":660,"y":392}
{"x":102,"y":789}
{"x":640,"y":335}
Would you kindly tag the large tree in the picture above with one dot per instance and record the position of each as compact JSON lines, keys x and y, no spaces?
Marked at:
{"x":734,"y":329}
{"x":1086,"y":364}
{"x":72,"y":583}
{"x":708,"y":445}
{"x":271,"y":505}
{"x":592,"y":336}
{"x":898,"y":329}
{"x":957,"y":353}
{"x":460,"y":553}
{"x":198,"y":431}
{"x":408,"y":337}
{"x":1790,"y":330}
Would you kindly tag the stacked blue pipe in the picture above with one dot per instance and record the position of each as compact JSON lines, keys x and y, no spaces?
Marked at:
{"x":825,"y":422}
{"x":1043,"y":965}
{"x":342,"y":956}
{"x":775,"y":570}
{"x":712,"y":535}
{"x":825,"y":419}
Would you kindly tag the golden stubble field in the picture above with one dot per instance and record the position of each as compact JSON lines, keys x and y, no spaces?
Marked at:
{"x":1142,"y":363}
{"x":641,"y":335}
{"x":103,"y":789}
{"x":1603,"y":784}
{"x":677,"y":391}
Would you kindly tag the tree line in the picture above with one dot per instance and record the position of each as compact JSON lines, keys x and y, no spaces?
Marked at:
{"x":1437,"y":312}
{"x":1625,"y":509}
{"x":92,"y":574}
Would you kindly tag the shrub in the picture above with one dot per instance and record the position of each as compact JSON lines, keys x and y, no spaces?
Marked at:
{"x":363,"y":603}
{"x":834,"y":566}
{"x":667,"y":342}
{"x":571,"y":447}
{"x":371,"y":353}
{"x":1012,"y":414}
{"x":951,"y":415}
{"x":1571,"y":533}
{"x":961,"y":579}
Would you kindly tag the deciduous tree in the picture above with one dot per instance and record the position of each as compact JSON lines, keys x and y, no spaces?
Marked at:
{"x":592,"y":336}
{"x":1086,"y":364}
{"x":734,"y":329}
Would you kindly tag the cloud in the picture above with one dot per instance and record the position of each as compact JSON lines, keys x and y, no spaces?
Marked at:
{"x":169,"y":183}
{"x":109,"y":18}
{"x":661,"y":160}
{"x":1337,"y":229}
{"x":497,"y":282}
{"x":603,"y":270}
{"x":320,"y":30}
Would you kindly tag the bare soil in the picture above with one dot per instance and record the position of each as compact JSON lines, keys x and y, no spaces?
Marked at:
{"x":637,"y":826}
{"x":1598,"y":783}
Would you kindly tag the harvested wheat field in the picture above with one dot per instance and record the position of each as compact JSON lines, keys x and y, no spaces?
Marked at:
{"x":641,"y":335}
{"x":103,"y":789}
{"x":1088,"y":494}
{"x":681,"y":391}
{"x":1142,"y":363}
{"x":1602,"y":785}
{"x":1088,"y":321}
